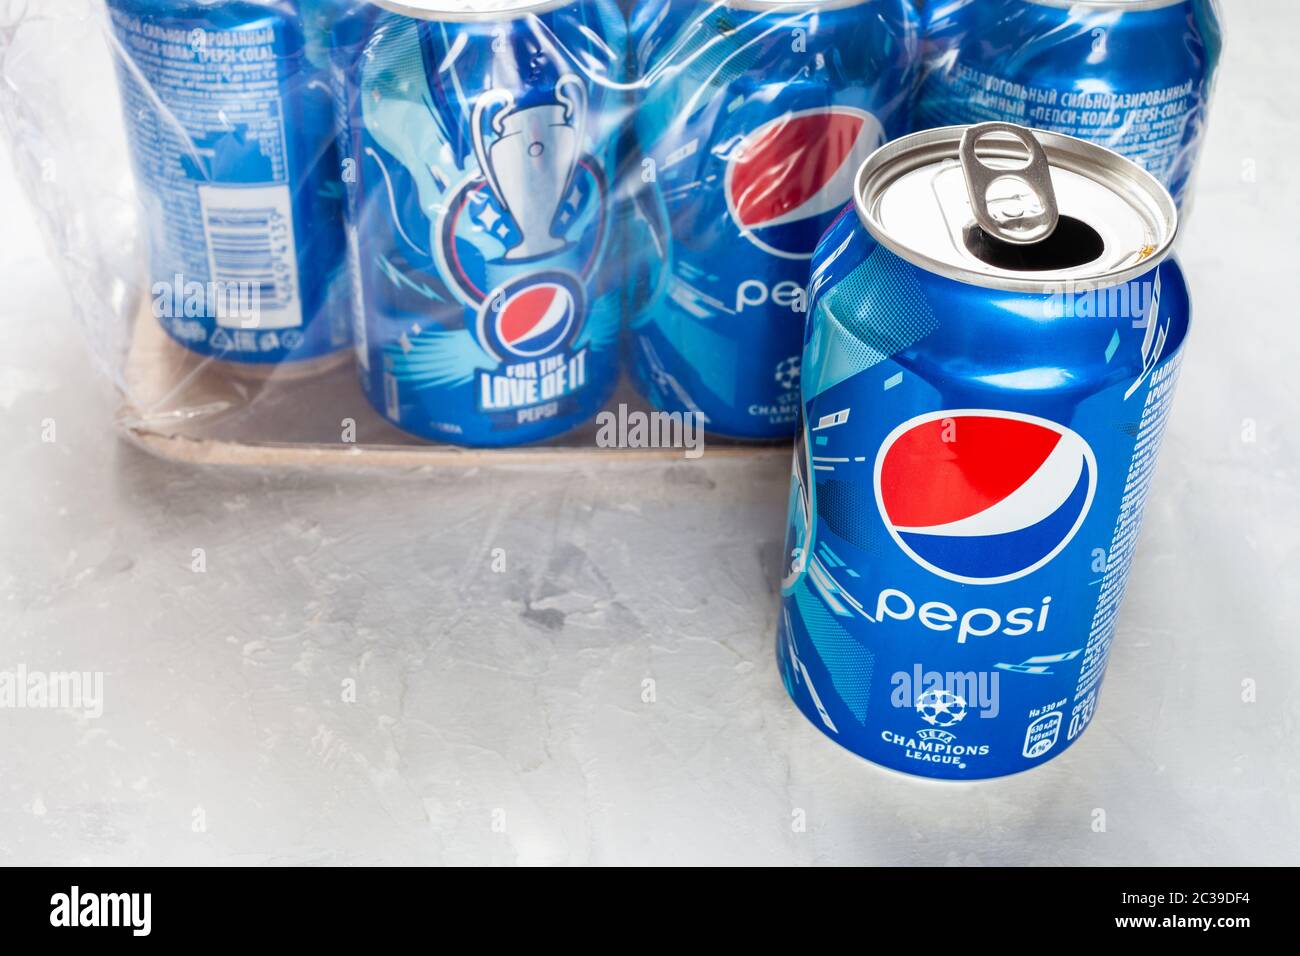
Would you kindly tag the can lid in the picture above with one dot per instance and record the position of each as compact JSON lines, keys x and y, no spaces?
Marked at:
{"x":468,"y":10}
{"x":1117,"y":5}
{"x":761,"y":5}
{"x":1005,"y":207}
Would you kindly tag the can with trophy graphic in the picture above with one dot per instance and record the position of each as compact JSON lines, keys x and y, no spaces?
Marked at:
{"x":478,"y":150}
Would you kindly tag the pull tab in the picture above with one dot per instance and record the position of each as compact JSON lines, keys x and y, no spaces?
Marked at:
{"x":1013,"y":217}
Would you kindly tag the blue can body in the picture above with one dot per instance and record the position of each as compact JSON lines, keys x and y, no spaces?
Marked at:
{"x":482,"y":216}
{"x":968,"y":487}
{"x":752,"y":120}
{"x":1137,"y":81}
{"x":230,"y":123}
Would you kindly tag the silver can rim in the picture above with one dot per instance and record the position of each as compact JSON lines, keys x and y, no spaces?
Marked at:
{"x":793,"y":6}
{"x":911,"y":152}
{"x":1136,"y":6}
{"x":418,"y":10}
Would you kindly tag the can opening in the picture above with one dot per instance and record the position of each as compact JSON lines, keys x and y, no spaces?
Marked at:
{"x":918,"y":198}
{"x":1072,"y":243}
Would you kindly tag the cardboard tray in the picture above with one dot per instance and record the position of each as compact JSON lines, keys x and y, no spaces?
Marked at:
{"x":185,"y":408}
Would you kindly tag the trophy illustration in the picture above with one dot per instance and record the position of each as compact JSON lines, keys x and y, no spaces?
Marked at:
{"x":531,"y":162}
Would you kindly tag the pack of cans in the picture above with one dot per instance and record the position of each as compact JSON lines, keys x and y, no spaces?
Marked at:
{"x":506,"y":207}
{"x":514,"y":202}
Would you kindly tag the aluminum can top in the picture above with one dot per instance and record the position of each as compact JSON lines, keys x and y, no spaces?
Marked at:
{"x":778,"y":4}
{"x":1117,"y":5}
{"x":1004,"y":207}
{"x":470,"y":10}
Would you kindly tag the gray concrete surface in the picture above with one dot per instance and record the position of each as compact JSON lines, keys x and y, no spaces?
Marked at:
{"x":351,"y":681}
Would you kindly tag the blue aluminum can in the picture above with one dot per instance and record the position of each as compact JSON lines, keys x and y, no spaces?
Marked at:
{"x":985,"y":389}
{"x":753,"y":117}
{"x":480,"y":149}
{"x":230,"y":123}
{"x":1132,"y":75}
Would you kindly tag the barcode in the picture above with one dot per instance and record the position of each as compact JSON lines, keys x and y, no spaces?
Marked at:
{"x":253,"y":253}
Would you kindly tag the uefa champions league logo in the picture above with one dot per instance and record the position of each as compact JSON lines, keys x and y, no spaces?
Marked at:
{"x":787,"y":373}
{"x":941,"y":708}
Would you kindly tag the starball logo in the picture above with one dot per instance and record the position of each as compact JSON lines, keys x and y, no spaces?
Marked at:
{"x":945,"y":698}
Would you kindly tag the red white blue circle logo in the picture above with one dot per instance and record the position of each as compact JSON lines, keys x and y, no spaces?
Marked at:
{"x":790,"y":177}
{"x":531,"y":317}
{"x":983,"y":497}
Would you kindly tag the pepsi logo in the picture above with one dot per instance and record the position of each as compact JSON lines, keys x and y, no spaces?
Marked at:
{"x":983,"y":497}
{"x":787,"y":179}
{"x":531,"y":317}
